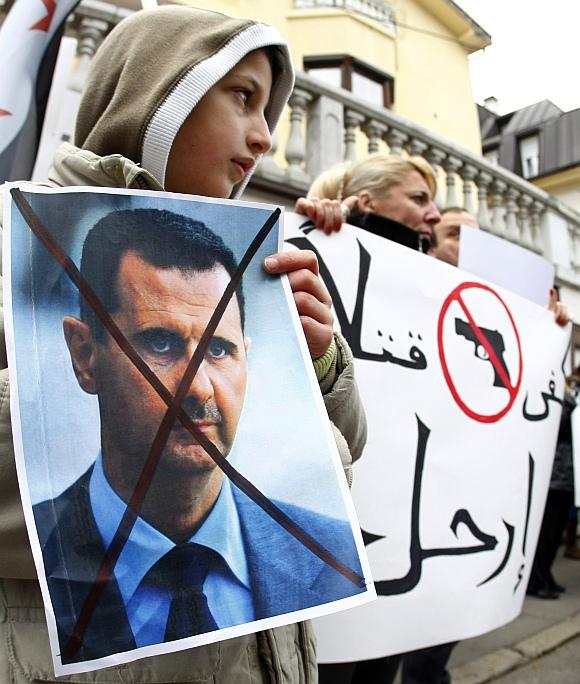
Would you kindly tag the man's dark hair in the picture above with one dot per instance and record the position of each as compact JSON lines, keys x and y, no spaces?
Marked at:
{"x":453,"y":210}
{"x":447,"y":210}
{"x":161,"y":238}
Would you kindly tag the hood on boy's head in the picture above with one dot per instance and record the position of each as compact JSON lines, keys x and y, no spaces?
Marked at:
{"x":154,"y":68}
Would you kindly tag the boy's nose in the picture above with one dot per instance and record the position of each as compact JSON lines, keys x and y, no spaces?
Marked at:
{"x":259,"y":138}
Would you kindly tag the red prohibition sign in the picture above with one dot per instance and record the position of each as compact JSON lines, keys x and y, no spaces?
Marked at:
{"x":455,"y":296}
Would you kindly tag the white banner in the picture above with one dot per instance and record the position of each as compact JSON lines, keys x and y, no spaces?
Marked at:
{"x":24,"y":38}
{"x":462,"y":383}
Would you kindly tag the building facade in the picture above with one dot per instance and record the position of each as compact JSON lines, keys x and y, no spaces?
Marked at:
{"x":328,"y":119}
{"x":541,"y":143}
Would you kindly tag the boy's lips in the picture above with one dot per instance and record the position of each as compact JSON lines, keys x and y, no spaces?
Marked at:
{"x":244,"y":164}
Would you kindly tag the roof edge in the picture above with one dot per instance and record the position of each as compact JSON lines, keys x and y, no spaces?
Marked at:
{"x":473,"y":36}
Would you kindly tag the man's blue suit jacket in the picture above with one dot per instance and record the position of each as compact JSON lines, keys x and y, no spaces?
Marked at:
{"x":285,"y":575}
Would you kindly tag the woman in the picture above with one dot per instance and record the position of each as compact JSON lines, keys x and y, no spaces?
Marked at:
{"x":384,"y":194}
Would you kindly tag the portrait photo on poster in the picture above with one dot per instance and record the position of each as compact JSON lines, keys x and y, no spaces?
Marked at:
{"x":168,"y":426}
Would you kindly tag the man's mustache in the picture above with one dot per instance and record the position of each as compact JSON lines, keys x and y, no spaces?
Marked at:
{"x":198,"y":411}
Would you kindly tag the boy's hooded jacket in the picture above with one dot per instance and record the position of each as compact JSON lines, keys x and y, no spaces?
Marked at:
{"x":148,"y":75}
{"x":154,"y":68}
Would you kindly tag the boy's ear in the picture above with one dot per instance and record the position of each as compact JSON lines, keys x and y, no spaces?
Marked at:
{"x":81,"y":346}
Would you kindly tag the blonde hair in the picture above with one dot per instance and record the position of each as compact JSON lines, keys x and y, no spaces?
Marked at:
{"x":376,"y":174}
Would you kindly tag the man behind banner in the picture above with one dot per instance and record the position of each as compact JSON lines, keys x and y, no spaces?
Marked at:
{"x":199,"y":555}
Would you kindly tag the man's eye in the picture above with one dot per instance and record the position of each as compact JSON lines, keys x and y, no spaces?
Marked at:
{"x":160,"y":345}
{"x":160,"y":342}
{"x":218,"y":349}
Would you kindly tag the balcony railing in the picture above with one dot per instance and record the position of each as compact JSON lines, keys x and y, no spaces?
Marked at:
{"x":326,"y":124}
{"x":378,"y":11}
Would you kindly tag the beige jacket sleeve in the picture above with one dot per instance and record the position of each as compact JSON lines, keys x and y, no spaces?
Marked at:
{"x":344,"y":406}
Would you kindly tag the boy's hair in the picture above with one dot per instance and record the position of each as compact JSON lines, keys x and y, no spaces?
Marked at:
{"x":161,"y":238}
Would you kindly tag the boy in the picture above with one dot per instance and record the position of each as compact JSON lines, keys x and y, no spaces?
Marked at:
{"x":183,"y":100}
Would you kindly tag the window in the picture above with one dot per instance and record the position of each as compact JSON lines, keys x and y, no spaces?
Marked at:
{"x":530,"y":156}
{"x":361,"y":79}
{"x":492,"y":156}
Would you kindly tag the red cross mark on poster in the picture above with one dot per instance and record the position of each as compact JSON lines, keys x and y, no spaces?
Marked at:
{"x":480,"y":351}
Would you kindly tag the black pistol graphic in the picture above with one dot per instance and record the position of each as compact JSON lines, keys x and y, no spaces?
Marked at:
{"x":496,"y":342}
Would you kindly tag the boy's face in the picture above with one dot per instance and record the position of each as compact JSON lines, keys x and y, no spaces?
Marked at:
{"x":219,"y":141}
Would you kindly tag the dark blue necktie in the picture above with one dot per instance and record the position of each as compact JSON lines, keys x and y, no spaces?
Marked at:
{"x":182,"y":572}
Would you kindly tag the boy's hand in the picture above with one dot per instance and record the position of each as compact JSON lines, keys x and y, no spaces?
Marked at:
{"x":310,"y":294}
{"x":326,"y":214}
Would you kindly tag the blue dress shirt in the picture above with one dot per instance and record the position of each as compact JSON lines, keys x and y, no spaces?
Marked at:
{"x":227,"y":587}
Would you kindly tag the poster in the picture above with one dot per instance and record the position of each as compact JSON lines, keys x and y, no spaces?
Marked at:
{"x":167,"y":492}
{"x":462,"y":383}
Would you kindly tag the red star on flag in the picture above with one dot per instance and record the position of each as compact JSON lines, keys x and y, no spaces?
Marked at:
{"x":5,"y":112}
{"x":44,"y":23}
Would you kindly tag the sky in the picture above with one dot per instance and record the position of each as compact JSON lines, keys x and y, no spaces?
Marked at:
{"x":534,"y":52}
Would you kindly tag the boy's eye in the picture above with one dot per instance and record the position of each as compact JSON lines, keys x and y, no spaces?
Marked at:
{"x":244,"y":94}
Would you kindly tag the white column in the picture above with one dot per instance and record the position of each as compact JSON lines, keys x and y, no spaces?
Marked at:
{"x":511,"y":225}
{"x":90,"y":35}
{"x":451,"y":166}
{"x":525,"y":203}
{"x":324,"y":130}
{"x":395,"y":139}
{"x":497,"y":221}
{"x":416,"y":147}
{"x":296,"y":146}
{"x":468,"y":172}
{"x":374,"y":131}
{"x":352,"y":120}
{"x":435,"y":157}
{"x":483,"y":181}
{"x":536,"y":211}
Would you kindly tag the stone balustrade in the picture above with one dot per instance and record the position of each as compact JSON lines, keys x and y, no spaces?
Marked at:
{"x":377,"y":10}
{"x":328,"y":125}
{"x":326,"y":128}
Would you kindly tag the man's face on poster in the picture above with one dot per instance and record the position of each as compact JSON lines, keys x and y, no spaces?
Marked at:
{"x":163,"y":314}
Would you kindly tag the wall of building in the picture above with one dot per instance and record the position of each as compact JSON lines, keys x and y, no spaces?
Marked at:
{"x":432,"y":84}
{"x":564,"y":185}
